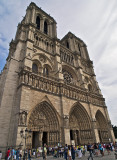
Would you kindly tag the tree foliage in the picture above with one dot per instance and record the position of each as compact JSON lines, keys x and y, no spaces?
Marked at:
{"x":115,"y":130}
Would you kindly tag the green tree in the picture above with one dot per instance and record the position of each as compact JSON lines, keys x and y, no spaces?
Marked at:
{"x":115,"y":130}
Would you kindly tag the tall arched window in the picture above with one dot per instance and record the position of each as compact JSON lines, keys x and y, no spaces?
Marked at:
{"x":45,"y":27}
{"x":38,"y":22}
{"x":34,"y":68}
{"x":67,"y":45}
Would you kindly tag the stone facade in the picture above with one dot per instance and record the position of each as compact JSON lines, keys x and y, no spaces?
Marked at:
{"x":49,"y":87}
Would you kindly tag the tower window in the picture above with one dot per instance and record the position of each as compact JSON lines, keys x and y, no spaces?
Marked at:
{"x":38,"y":22}
{"x":67,"y":45}
{"x":35,"y":68}
{"x":45,"y":27}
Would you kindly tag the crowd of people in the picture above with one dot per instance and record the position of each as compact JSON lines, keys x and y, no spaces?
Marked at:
{"x":68,"y":152}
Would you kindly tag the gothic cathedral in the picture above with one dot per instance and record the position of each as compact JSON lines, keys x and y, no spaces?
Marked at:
{"x":48,"y":87}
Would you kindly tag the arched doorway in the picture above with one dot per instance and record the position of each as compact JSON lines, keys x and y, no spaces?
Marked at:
{"x":80,"y":125}
{"x":43,"y":122}
{"x":102,"y":127}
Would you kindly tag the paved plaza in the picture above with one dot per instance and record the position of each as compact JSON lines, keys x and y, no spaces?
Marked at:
{"x":106,"y":157}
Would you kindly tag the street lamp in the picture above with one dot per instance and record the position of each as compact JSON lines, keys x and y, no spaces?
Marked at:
{"x":24,"y":134}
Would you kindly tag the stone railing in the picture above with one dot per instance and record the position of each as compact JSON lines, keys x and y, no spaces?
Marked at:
{"x":66,"y":56}
{"x":43,"y":43}
{"x":58,"y":87}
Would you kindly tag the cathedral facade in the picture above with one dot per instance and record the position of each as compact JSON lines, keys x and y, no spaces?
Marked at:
{"x":48,"y":87}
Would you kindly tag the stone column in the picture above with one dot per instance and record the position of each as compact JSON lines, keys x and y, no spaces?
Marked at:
{"x":54,"y":32}
{"x":66,"y":129}
{"x":93,"y":125}
{"x":42,"y":25}
{"x":96,"y":134}
{"x":33,"y":15}
{"x":58,"y":65}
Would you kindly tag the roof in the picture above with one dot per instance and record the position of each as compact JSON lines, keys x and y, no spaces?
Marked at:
{"x":73,"y":35}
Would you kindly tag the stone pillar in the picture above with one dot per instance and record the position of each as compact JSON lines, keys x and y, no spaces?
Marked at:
{"x":67,"y":136}
{"x":58,"y":65}
{"x":42,"y":25}
{"x":40,"y":138}
{"x":54,"y":32}
{"x":33,"y":15}
{"x":50,"y":29}
{"x":28,"y":15}
{"x":66,"y":129}
{"x":95,"y":131}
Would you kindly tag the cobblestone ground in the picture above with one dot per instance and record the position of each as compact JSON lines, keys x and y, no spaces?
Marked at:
{"x":105,"y":157}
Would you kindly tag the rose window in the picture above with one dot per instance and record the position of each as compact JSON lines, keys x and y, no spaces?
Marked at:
{"x":67,"y":76}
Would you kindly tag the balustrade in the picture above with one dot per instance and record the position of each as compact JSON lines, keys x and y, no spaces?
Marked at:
{"x":43,"y":43}
{"x":53,"y":86}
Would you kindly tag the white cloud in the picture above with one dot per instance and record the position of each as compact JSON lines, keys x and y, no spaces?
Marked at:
{"x":94,"y":21}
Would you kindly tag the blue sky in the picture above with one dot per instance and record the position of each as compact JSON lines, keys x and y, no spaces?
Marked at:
{"x":94,"y":21}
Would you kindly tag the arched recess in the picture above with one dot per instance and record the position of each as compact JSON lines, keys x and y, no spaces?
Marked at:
{"x":36,"y":66}
{"x":44,"y":123}
{"x":42,"y":58}
{"x":80,"y":125}
{"x":47,"y":70}
{"x":102,"y":127}
{"x":69,"y":74}
{"x":45,"y":27}
{"x":38,"y":21}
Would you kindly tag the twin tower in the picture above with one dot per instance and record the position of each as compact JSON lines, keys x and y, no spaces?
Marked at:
{"x":48,"y":89}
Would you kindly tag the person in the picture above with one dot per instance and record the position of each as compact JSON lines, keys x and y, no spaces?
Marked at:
{"x":45,"y":152}
{"x":73,"y":152}
{"x":55,"y":153}
{"x":96,"y":149}
{"x":65,"y":151}
{"x":20,"y":154}
{"x":0,"y":155}
{"x":29,"y":154}
{"x":79,"y":151}
{"x":17,"y":154}
{"x":90,"y":149}
{"x":83,"y":151}
{"x":101,"y":150}
{"x":12,"y":153}
{"x":108,"y":148}
{"x":8,"y":154}
{"x":69,"y":152}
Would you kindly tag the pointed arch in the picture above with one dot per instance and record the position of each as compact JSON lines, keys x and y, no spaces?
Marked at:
{"x":102,"y":127}
{"x":100,"y":119}
{"x":47,"y":109}
{"x":80,"y":124}
{"x":43,"y":120}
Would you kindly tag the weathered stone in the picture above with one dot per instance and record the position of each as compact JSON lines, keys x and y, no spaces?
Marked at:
{"x":49,"y":86}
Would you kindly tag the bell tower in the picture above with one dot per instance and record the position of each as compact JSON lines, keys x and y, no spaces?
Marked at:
{"x":48,"y":86}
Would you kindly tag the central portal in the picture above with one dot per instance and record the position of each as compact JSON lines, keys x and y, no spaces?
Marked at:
{"x":39,"y":139}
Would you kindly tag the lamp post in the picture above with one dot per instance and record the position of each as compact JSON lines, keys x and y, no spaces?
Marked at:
{"x":24,"y":134}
